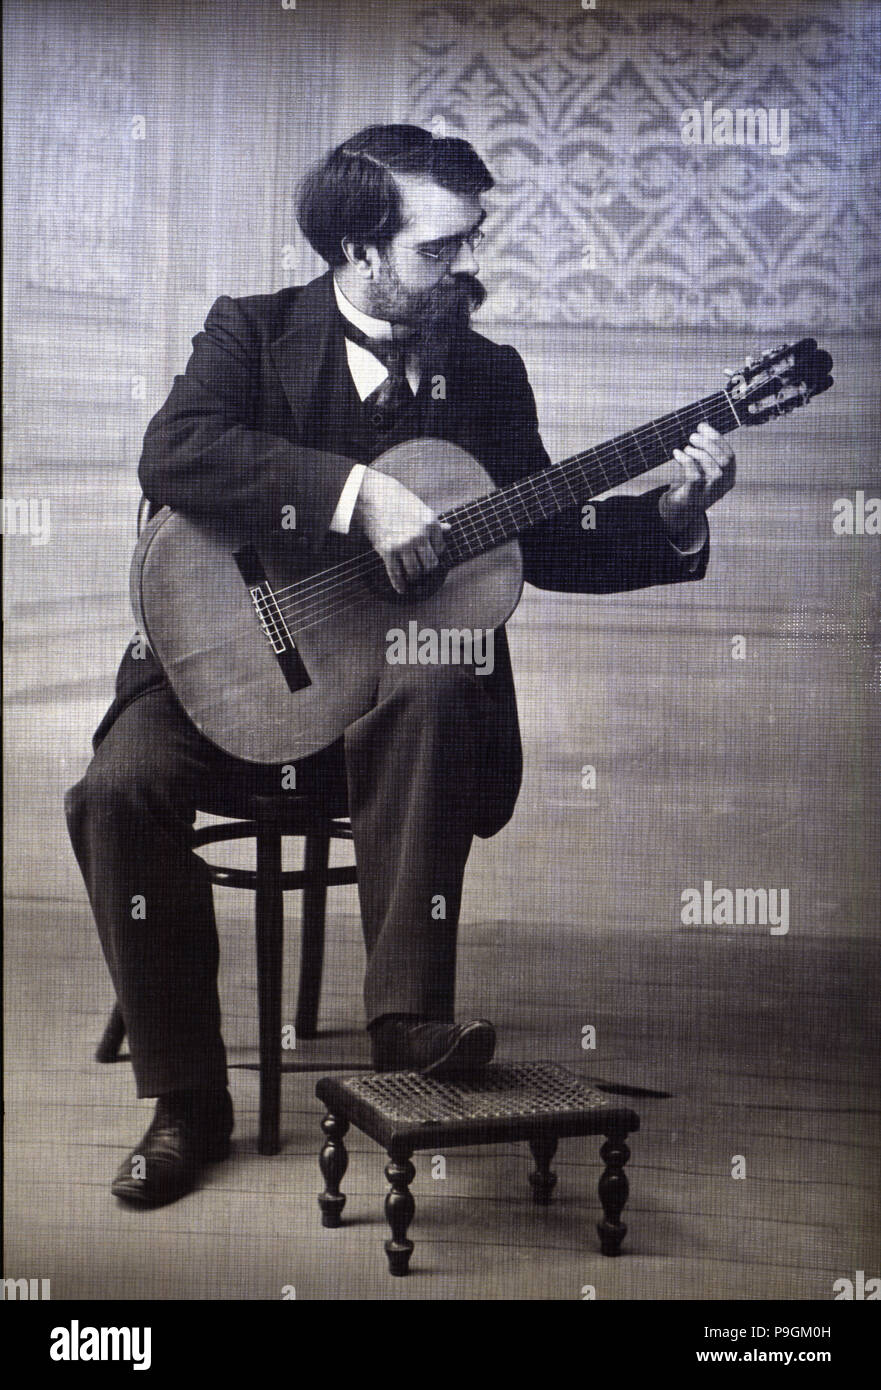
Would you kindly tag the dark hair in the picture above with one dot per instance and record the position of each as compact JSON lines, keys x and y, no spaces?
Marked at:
{"x":353,"y":192}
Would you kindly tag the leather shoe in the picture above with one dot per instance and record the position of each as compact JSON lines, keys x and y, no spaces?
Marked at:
{"x":432,"y":1047}
{"x":187,"y":1132}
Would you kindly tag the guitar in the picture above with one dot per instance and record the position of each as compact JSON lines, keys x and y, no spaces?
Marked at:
{"x":273,"y":665}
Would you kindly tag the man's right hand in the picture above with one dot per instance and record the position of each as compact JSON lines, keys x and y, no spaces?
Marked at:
{"x":405,"y":533}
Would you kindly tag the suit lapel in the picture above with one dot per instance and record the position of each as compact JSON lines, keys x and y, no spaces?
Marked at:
{"x":300,"y":351}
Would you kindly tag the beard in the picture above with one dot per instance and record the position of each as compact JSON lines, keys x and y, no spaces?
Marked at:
{"x":435,"y":316}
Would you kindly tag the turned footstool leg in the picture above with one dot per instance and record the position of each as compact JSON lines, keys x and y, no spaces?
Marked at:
{"x":399,"y":1209}
{"x":333,"y":1161}
{"x":614,"y":1188}
{"x":543,"y":1181}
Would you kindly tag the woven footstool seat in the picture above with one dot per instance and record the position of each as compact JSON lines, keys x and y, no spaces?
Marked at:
{"x":538,"y":1102}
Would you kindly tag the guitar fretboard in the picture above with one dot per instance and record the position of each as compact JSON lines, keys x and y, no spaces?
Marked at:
{"x":503,"y":515}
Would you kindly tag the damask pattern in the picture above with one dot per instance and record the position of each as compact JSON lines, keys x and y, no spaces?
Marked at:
{"x":603,"y":216}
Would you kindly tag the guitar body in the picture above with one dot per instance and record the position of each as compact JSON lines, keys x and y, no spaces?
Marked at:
{"x":194,"y":605}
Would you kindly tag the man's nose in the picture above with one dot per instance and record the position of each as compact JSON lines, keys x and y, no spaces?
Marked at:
{"x":466,"y":262}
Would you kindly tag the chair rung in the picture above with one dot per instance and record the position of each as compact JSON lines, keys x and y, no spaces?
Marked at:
{"x":247,"y":829}
{"x":224,"y":877}
{"x":338,"y":878}
{"x":231,"y":830}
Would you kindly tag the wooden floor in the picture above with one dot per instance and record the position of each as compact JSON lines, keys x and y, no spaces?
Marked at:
{"x":756,"y":773}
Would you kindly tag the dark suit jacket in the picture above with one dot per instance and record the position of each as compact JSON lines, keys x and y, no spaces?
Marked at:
{"x":229,"y":441}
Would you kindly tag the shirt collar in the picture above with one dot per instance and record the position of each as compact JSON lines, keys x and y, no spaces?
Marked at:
{"x":373,"y":328}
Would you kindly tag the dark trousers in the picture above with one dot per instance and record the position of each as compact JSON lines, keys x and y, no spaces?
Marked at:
{"x":410,"y":771}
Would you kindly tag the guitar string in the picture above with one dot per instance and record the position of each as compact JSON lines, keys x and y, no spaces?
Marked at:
{"x":320,"y":590}
{"x":492,"y":501}
{"x":320,"y":587}
{"x":489,"y":509}
{"x":347,"y":573}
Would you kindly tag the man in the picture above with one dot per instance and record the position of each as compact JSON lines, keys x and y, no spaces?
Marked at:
{"x":286,"y":399}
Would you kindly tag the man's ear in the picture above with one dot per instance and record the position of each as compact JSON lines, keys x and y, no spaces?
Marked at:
{"x":362,"y":258}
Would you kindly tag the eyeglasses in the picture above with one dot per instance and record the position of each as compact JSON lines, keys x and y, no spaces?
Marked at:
{"x":451,"y":251}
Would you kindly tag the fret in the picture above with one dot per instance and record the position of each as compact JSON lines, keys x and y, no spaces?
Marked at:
{"x":608,"y":482}
{"x":654,"y":426}
{"x":470,"y":539}
{"x":535,"y":483}
{"x":641,"y":454}
{"x":574,"y":495}
{"x":505,"y":502}
{"x":660,"y":438}
{"x":619,"y":459}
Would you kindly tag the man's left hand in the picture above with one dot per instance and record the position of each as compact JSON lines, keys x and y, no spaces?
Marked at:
{"x":705,"y":473}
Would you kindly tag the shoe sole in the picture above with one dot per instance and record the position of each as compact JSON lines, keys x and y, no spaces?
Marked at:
{"x":471,"y":1052}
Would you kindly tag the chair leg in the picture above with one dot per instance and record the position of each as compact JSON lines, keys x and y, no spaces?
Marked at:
{"x":111,"y":1040}
{"x":269,"y":920}
{"x":312,"y":936}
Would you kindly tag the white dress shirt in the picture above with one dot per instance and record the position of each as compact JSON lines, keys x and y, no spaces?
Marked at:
{"x":367,"y":373}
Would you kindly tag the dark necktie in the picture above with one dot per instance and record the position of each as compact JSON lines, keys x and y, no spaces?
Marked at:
{"x":394,"y":393}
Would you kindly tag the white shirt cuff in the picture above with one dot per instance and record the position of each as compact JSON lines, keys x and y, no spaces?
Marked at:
{"x":342,"y":517}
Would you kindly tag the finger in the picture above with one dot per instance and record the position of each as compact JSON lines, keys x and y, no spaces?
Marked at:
{"x":710,"y":470}
{"x":437,"y":537}
{"x":410,"y":563}
{"x":426,"y":556}
{"x":690,"y":471}
{"x":711,"y":439}
{"x":395,"y":573}
{"x":706,"y":429}
{"x":705,"y":461}
{"x":712,"y":443}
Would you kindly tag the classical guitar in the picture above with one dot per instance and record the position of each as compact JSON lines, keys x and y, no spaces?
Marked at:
{"x":272,"y":664}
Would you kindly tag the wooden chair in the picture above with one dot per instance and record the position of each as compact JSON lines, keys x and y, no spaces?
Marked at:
{"x":270,"y":818}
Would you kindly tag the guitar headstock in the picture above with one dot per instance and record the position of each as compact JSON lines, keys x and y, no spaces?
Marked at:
{"x":778,"y":381}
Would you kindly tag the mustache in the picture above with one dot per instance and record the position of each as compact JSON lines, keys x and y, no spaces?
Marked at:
{"x":447,"y":308}
{"x":464,"y":290}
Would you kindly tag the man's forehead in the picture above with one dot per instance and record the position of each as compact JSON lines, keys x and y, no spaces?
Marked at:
{"x":431,"y":212}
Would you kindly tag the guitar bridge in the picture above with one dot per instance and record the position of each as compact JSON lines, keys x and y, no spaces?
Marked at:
{"x":271,"y":619}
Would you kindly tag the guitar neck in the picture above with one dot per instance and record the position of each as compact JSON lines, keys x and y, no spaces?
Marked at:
{"x":502,"y":516}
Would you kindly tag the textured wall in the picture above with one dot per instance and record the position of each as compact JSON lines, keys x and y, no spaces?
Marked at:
{"x":602,"y":215}
{"x":606,"y":217}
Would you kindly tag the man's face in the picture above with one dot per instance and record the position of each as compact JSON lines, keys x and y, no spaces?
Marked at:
{"x":435,"y":297}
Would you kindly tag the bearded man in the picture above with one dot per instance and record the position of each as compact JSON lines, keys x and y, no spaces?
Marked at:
{"x":286,"y":400}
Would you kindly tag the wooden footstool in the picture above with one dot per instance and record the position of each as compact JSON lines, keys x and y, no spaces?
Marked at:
{"x":538,"y":1101}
